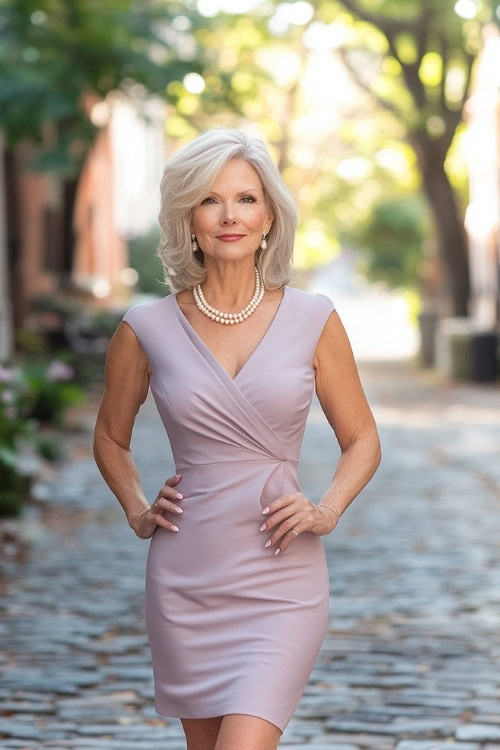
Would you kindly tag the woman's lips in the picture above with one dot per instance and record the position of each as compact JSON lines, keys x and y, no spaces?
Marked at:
{"x":230,"y":237}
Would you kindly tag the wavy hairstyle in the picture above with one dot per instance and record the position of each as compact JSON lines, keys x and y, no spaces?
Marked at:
{"x":189,"y":175}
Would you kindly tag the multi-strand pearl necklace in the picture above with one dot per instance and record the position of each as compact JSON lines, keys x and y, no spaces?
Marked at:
{"x":230,"y":318}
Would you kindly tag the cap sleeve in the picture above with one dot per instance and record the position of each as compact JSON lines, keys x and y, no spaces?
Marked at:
{"x":131,"y":317}
{"x":326,"y":304}
{"x":325,"y":308}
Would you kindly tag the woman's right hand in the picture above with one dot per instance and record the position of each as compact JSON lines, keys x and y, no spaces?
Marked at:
{"x":144,"y":522}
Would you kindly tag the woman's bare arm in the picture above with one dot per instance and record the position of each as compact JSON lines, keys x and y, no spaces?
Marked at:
{"x":127,"y":377}
{"x":345,"y":406}
{"x":127,"y":374}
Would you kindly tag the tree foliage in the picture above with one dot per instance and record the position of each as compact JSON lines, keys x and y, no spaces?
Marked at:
{"x":392,"y":240}
{"x":414,"y":58}
{"x":419,"y":64}
{"x":55,"y":53}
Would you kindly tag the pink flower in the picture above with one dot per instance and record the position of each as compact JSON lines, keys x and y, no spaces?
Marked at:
{"x":8,"y":374}
{"x":59,"y":370}
{"x":5,"y":374}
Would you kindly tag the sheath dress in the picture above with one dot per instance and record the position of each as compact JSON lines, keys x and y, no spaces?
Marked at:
{"x":232,"y":627}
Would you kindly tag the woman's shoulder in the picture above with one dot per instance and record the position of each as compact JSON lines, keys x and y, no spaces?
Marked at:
{"x":142,"y":310}
{"x":317,"y":302}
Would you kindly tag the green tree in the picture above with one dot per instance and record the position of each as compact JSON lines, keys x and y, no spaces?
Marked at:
{"x":58,"y":54}
{"x":392,"y":240}
{"x":417,"y":66}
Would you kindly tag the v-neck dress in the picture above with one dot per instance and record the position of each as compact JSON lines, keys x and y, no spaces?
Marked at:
{"x":232,"y":627}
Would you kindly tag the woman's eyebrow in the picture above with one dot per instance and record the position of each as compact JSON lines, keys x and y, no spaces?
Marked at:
{"x":241,"y":192}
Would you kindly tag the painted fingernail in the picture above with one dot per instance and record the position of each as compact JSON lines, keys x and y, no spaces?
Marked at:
{"x":174,"y":528}
{"x":178,"y":510}
{"x":266,"y":510}
{"x":267,"y":543}
{"x":277,"y":551}
{"x":262,"y":527}
{"x":179,"y":496}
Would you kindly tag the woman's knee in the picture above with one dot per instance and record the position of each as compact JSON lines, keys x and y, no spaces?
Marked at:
{"x":201,"y":734}
{"x":247,"y":732}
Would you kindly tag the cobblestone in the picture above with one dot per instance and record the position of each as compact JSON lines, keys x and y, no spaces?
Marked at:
{"x":411,"y":659}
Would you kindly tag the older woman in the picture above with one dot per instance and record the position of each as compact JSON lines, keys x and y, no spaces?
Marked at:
{"x":237,"y":586}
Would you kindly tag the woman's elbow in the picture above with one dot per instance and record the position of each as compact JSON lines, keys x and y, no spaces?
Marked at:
{"x":377,"y":448}
{"x":104,"y":440}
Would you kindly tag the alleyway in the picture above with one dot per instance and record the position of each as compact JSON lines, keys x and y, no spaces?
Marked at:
{"x":412,"y":657}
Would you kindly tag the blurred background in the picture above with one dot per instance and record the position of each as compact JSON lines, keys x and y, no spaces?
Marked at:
{"x":384,"y":119}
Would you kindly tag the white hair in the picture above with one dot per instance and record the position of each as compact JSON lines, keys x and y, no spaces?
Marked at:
{"x":189,"y":175}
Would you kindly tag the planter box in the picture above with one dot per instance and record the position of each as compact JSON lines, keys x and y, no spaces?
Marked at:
{"x":453,"y":351}
{"x":484,"y":352}
{"x":465,"y":352}
{"x":428,"y":321}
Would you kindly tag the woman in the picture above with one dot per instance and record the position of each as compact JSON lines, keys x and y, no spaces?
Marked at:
{"x":237,"y":594}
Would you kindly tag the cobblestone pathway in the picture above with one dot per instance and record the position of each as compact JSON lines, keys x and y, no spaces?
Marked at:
{"x":412,"y":657}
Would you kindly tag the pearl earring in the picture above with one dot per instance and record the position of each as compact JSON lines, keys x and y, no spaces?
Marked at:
{"x":263,"y":243}
{"x":194,"y":244}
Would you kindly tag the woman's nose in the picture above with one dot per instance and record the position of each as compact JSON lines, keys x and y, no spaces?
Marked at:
{"x":228,"y":213}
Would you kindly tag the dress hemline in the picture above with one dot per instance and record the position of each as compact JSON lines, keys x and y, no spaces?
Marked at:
{"x":216,"y":712}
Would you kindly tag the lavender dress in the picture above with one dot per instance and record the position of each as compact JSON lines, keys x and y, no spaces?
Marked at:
{"x":232,"y":627}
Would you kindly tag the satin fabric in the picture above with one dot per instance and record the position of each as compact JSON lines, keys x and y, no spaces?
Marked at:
{"x":232,"y":627}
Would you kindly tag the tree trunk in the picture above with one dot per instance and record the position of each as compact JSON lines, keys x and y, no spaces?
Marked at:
{"x":14,"y":259}
{"x":450,"y":230}
{"x":6,"y":314}
{"x":70,"y":186}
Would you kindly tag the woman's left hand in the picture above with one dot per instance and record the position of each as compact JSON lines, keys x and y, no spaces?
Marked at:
{"x":295,"y":511}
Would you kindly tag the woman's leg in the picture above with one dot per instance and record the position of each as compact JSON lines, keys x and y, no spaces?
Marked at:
{"x":247,"y":732}
{"x":201,"y":734}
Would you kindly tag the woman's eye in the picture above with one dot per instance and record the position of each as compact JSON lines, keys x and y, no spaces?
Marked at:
{"x":250,"y":198}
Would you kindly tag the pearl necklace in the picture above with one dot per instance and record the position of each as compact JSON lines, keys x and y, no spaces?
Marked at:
{"x":230,"y":318}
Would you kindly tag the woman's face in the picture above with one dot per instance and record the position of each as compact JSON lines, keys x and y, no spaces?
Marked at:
{"x":235,"y":205}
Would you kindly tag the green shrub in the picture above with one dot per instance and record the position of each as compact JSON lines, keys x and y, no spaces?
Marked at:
{"x":30,"y":394}
{"x":49,"y":392}
{"x":50,"y":447}
{"x":143,"y":258}
{"x":12,"y":483}
{"x":392,"y":241}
